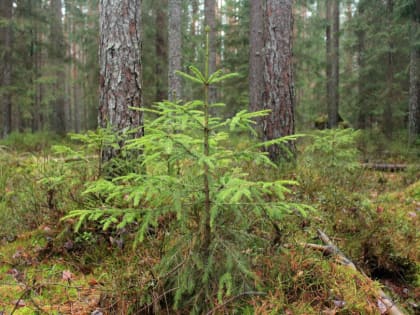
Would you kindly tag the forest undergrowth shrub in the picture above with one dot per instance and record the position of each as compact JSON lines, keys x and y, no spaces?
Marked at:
{"x":193,"y":194}
{"x":381,"y":235}
{"x":378,"y":234}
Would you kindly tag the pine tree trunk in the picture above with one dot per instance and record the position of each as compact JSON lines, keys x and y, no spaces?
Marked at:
{"x":6,"y":7}
{"x":120,"y":68}
{"x":278,"y":75}
{"x":414,"y":110}
{"x":175,"y":50}
{"x":210,"y":21}
{"x":160,"y":49}
{"x":256,"y":64}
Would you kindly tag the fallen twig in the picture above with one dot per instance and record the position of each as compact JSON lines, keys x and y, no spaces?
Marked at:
{"x":385,"y":167}
{"x":25,"y":292}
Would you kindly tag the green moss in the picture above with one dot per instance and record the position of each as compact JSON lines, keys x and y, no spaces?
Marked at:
{"x":25,"y":311}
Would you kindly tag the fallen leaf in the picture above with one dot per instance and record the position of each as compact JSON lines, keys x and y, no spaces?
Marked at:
{"x":339,"y":303}
{"x":67,"y":275}
{"x":92,"y":282}
{"x":412,"y":214}
{"x":17,"y":254}
{"x":68,"y":245}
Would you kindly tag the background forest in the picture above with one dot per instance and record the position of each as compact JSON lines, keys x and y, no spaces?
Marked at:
{"x":209,"y":157}
{"x":50,"y":61}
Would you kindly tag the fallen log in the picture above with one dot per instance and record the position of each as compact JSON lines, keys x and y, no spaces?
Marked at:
{"x":330,"y":249}
{"x":385,"y":167}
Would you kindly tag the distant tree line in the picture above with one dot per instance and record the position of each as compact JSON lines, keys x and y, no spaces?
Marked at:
{"x":352,"y":59}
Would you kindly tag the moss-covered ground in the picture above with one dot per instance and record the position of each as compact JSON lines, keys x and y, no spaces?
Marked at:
{"x":372,"y":216}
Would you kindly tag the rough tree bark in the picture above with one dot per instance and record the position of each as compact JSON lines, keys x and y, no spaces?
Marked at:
{"x":120,"y":68}
{"x":278,"y":94}
{"x":6,"y":7}
{"x":256,"y":64}
{"x":210,"y":21}
{"x":174,"y":47}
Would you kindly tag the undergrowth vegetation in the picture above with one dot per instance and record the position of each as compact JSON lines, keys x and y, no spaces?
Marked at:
{"x":192,"y":197}
{"x":193,"y":218}
{"x":259,"y":263}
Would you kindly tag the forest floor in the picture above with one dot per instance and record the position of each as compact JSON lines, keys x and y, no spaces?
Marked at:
{"x":374,"y":219}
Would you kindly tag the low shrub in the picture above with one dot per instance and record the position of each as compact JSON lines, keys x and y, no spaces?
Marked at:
{"x":190,"y":191}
